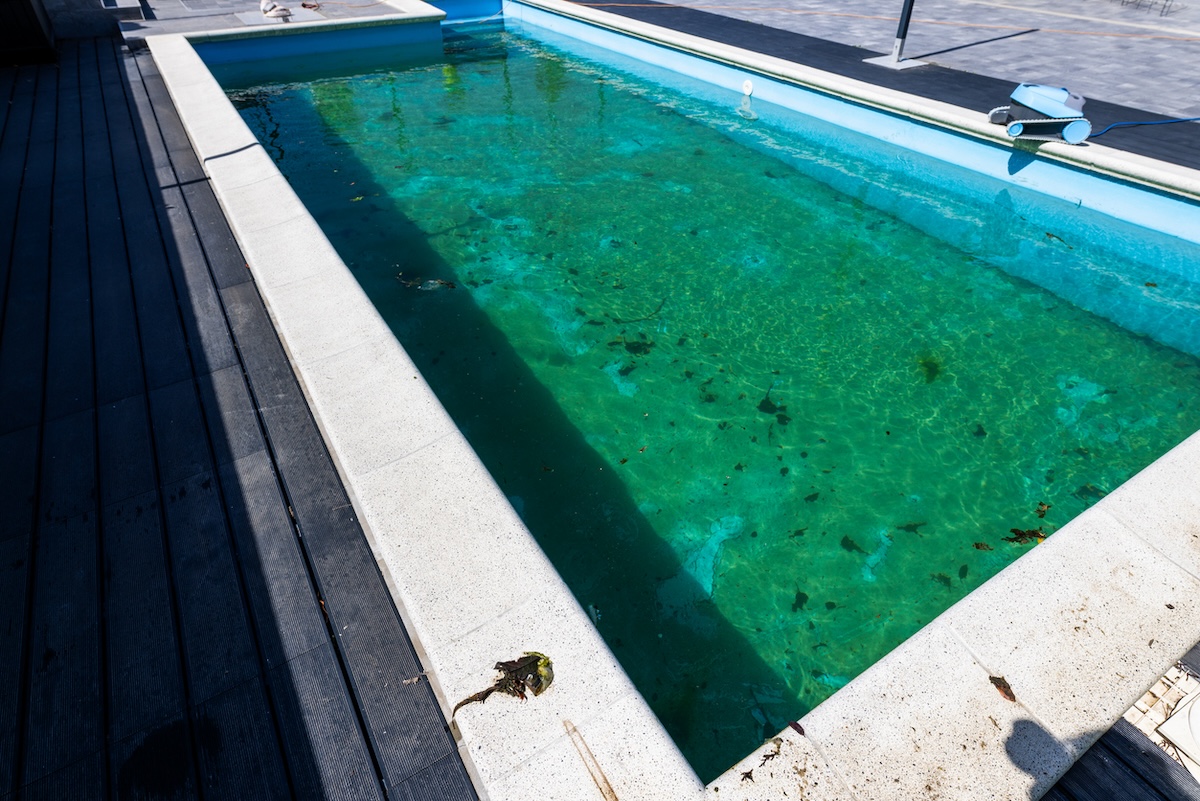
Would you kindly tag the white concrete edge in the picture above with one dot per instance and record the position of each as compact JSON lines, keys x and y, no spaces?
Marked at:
{"x":1093,"y":157}
{"x":407,"y":12}
{"x":1079,"y":628}
{"x":885,"y":722}
{"x":293,"y":28}
{"x":509,"y":598}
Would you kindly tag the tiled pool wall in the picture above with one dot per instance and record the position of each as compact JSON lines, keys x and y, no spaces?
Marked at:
{"x":1078,"y":628}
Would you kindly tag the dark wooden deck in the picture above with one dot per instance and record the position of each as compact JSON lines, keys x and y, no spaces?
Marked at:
{"x":189,"y":606}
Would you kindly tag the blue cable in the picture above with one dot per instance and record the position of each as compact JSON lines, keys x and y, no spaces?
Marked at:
{"x":1151,"y":122}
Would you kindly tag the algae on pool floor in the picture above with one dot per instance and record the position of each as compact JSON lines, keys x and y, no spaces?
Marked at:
{"x":763,"y":429}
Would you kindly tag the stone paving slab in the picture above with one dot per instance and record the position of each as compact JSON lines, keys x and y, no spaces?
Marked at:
{"x":1103,"y":50}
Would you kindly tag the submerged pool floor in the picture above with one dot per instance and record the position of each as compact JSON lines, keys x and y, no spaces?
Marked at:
{"x":763,"y":430}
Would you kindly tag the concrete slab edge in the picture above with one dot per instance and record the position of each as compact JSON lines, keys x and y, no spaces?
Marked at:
{"x":1098,"y":158}
{"x":928,"y":716}
{"x":429,"y":506}
{"x":410,"y":12}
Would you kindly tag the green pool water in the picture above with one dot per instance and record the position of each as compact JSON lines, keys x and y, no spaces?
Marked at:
{"x":764,"y":430}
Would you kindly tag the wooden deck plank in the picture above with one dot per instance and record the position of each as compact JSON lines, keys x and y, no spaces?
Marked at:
{"x":278,"y":587}
{"x":232,"y":722}
{"x":326,"y":751}
{"x":156,"y":763}
{"x":179,"y":147}
{"x":69,"y":366}
{"x":243,"y":597}
{"x":218,"y":646}
{"x":65,"y":719}
{"x":231,"y":415}
{"x":446,"y":778}
{"x":225,"y":258}
{"x":277,"y":582}
{"x":125,"y":447}
{"x":75,"y":782}
{"x":23,"y":336}
{"x":21,"y":444}
{"x":117,"y":347}
{"x":66,"y":711}
{"x":207,"y":334}
{"x":212,"y":344}
{"x":164,"y":349}
{"x":325,"y":748}
{"x":13,"y":146}
{"x":1191,"y":660}
{"x":1146,"y":759}
{"x":8,"y":79}
{"x":18,"y":485}
{"x":404,"y":721}
{"x":237,"y":755}
{"x":145,"y":685}
{"x":180,"y":444}
{"x":1099,"y":776}
{"x":157,"y":163}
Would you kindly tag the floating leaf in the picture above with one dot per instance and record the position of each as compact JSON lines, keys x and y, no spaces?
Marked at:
{"x":931,"y":369}
{"x":851,"y":546}
{"x":1021,"y":537}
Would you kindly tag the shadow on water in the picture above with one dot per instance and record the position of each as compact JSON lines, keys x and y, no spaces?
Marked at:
{"x":712,"y":692}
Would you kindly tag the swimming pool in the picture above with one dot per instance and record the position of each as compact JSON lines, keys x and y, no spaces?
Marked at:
{"x":748,"y":426}
{"x":1114,"y":590}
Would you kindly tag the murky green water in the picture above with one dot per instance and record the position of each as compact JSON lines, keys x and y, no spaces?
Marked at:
{"x":764,"y":430}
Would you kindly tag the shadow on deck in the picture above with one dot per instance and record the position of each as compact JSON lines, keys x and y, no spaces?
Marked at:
{"x":190,"y":606}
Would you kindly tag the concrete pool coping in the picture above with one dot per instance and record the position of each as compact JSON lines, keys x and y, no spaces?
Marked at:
{"x":1078,"y":628}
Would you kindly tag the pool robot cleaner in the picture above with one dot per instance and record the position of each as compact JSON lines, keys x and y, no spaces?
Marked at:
{"x":1043,"y":113}
{"x":1052,"y":114}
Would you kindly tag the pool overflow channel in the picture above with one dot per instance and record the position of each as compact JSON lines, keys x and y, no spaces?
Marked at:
{"x":687,"y":602}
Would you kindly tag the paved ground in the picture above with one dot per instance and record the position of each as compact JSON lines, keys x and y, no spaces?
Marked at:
{"x":1137,"y":53}
{"x":1122,"y":52}
{"x":184,"y":16}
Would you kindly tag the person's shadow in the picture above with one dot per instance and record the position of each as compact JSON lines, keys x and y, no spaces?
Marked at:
{"x":1097,"y":764}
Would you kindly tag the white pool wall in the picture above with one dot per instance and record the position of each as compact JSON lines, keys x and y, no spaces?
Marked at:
{"x":1079,"y":627}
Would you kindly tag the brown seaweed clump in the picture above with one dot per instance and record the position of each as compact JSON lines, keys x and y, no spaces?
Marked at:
{"x":532,"y":672}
